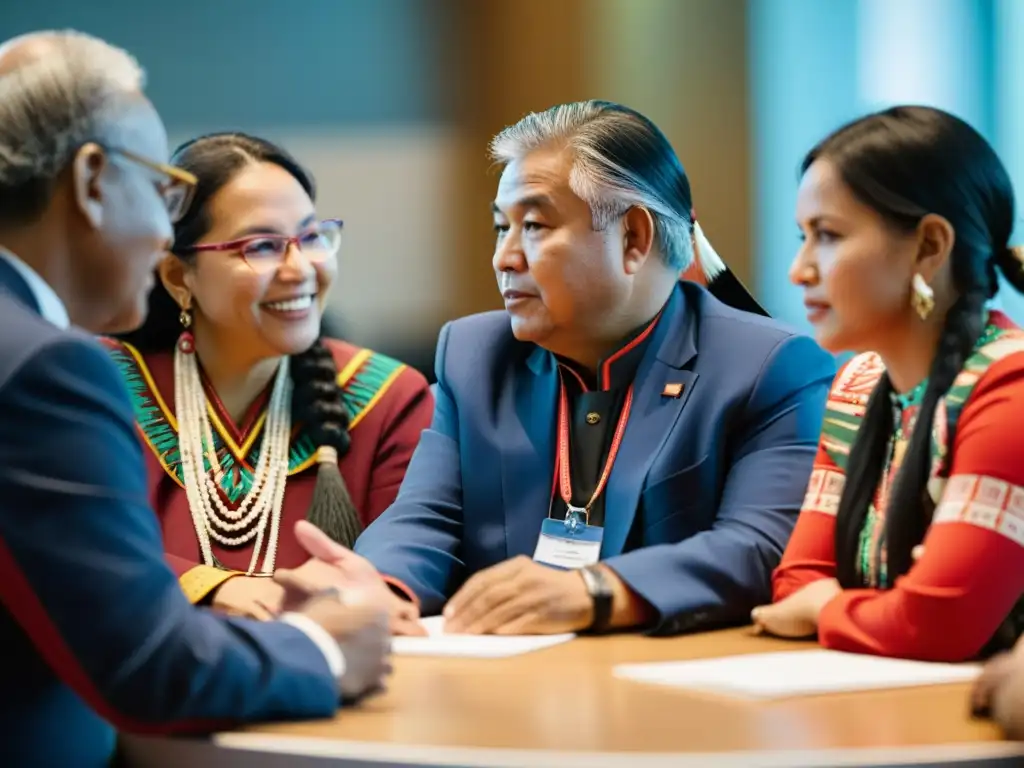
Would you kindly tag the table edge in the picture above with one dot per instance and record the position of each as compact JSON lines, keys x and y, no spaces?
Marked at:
{"x":433,"y":755}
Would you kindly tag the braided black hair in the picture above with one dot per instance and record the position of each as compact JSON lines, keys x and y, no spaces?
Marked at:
{"x":905,"y":163}
{"x":316,"y":401}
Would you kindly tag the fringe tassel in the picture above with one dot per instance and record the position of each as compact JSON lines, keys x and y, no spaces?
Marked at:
{"x":707,"y":264}
{"x":332,"y":510}
{"x":709,"y":270}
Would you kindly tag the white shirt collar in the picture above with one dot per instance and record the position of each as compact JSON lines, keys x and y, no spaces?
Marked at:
{"x":50,"y":305}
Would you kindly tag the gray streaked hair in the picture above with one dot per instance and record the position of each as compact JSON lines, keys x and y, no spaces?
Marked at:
{"x":54,"y":101}
{"x":620,"y":160}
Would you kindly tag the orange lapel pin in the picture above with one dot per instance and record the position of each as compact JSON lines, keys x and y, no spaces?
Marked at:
{"x":672,"y":390}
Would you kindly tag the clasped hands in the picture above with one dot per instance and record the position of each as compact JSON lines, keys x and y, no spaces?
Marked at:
{"x":331,"y":566}
{"x":518,"y":596}
{"x":347,"y":603}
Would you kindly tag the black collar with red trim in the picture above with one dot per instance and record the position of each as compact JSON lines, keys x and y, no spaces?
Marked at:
{"x":618,"y":369}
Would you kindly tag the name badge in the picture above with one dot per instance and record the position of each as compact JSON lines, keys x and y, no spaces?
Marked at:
{"x":568,"y":547}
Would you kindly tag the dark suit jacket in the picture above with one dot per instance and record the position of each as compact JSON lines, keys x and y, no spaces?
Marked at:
{"x":94,"y":628}
{"x":703,"y":495}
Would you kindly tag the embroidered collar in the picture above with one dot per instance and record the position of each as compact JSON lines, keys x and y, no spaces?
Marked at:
{"x":994,"y":328}
{"x":364,"y":380}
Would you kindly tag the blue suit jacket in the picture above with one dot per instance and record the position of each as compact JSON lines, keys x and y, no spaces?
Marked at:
{"x":94,"y":627}
{"x":703,"y":495}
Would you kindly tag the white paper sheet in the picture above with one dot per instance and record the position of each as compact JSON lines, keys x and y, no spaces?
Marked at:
{"x":796,"y":673}
{"x":438,"y":643}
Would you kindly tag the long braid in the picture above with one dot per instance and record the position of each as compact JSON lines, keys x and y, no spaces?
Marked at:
{"x":317,"y":404}
{"x":909,"y":510}
{"x":863,"y":472}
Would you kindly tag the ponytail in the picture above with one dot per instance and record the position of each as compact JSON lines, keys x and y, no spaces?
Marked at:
{"x":1011,"y":263}
{"x":863,"y":472}
{"x":317,"y":404}
{"x":708,"y":269}
{"x":910,"y":508}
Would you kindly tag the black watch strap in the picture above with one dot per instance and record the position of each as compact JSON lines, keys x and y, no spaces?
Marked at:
{"x":600,"y":591}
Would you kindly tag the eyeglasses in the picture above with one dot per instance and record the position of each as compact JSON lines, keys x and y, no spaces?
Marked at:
{"x":266,"y":253}
{"x":177,"y":188}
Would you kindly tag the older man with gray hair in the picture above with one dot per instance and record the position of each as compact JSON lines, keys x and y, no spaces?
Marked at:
{"x":95,"y":629}
{"x":616,"y":450}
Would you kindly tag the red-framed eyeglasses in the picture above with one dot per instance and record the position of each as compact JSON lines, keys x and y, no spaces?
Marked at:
{"x":318,"y":244}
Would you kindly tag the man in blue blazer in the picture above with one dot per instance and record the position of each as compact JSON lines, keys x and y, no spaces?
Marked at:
{"x":95,"y":629}
{"x":648,"y":441}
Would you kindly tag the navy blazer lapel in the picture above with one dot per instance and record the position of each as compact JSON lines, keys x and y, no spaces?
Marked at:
{"x":652,"y":417}
{"x":13,"y":283}
{"x":527,"y":423}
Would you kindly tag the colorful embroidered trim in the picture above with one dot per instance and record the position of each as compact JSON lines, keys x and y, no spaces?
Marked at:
{"x":200,"y":581}
{"x":1001,"y":344}
{"x":824,"y":491}
{"x":846,"y":405}
{"x":843,"y":415}
{"x":364,"y":381}
{"x":985,"y":502}
{"x":849,"y":397}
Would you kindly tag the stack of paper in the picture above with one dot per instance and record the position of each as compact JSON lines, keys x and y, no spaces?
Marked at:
{"x":438,"y":643}
{"x":796,"y":673}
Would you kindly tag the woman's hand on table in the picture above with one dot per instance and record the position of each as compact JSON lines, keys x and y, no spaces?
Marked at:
{"x":332,"y":566}
{"x":252,"y":597}
{"x":797,"y":615}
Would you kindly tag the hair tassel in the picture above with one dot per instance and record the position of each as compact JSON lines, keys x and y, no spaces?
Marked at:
{"x":705,"y":256}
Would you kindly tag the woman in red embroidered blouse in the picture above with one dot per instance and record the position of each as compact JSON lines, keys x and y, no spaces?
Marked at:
{"x":911,"y":538}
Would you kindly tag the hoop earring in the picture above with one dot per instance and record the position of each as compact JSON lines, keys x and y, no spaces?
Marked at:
{"x":185,"y":318}
{"x":922,"y":297}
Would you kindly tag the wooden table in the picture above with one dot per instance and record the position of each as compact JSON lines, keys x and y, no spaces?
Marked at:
{"x":562,"y":706}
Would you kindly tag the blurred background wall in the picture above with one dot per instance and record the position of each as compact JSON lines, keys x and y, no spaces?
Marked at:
{"x":391,"y":104}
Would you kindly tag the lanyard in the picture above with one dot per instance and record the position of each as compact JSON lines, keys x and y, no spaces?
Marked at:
{"x":575,"y":515}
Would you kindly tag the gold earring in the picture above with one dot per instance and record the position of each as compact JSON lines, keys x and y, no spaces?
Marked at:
{"x":922,"y":297}
{"x":185,"y":318}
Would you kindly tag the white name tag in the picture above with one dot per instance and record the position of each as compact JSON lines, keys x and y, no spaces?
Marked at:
{"x":559,"y":548}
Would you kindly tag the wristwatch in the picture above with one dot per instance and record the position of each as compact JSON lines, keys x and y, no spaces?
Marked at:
{"x":601,"y":593}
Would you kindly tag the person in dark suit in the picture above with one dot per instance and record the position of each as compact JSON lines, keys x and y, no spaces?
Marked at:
{"x":97,"y":634}
{"x":646,"y":439}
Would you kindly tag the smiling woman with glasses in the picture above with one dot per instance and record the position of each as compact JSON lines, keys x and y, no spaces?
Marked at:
{"x":252,"y":420}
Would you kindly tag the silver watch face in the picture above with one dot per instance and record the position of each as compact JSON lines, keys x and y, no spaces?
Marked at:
{"x":596,"y":583}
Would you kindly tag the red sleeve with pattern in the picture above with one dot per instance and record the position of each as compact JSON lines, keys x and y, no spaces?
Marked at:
{"x":972,"y":571}
{"x":810,"y":554}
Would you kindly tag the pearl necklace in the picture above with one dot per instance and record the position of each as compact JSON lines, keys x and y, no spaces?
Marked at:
{"x":262,"y":504}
